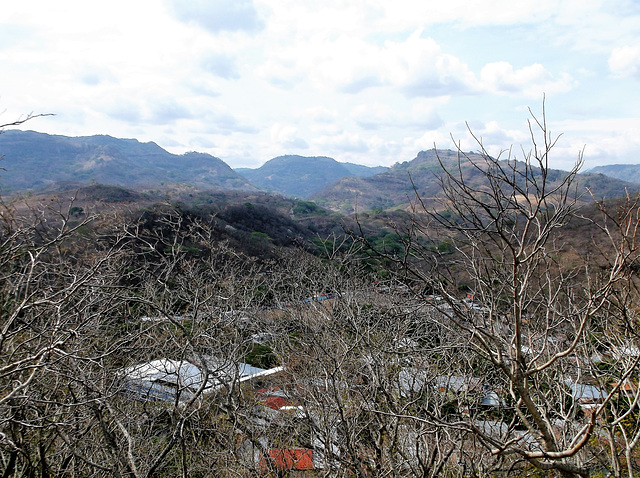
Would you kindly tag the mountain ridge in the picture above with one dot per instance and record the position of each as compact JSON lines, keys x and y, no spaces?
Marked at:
{"x":625,"y":172}
{"x":398,"y":186}
{"x":38,"y":161}
{"x":33,"y":160}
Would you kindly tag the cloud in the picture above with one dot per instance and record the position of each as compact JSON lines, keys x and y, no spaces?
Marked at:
{"x":625,"y":61}
{"x":219,"y":15}
{"x":356,"y":85}
{"x":344,"y":142}
{"x":416,"y":66}
{"x":150,"y":111}
{"x":421,"y":69}
{"x":127,"y":111}
{"x":494,"y":137}
{"x":222,"y":122}
{"x":168,"y":110}
{"x":19,"y":36}
{"x":202,"y":142}
{"x":321,"y":114}
{"x":376,"y":116}
{"x":428,"y":140}
{"x":95,"y":75}
{"x":202,"y":87}
{"x":400,"y":13}
{"x":287,"y":136}
{"x":91,"y":79}
{"x":531,"y":81}
{"x":220,"y":65}
{"x":604,"y":140}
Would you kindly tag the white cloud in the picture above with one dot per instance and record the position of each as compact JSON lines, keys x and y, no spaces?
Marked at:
{"x":379,"y":115}
{"x":220,"y":65}
{"x":344,"y":142}
{"x":428,"y":140}
{"x":604,"y":141}
{"x":531,"y":81}
{"x":168,"y":110}
{"x":625,"y":61}
{"x":95,"y":75}
{"x":420,"y":68}
{"x":381,"y":16}
{"x":320,"y":114}
{"x":202,"y":86}
{"x":495,"y":138}
{"x":479,"y":12}
{"x":125,"y":110}
{"x":416,"y":66}
{"x":287,"y":136}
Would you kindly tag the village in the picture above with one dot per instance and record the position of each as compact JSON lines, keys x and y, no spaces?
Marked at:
{"x":356,"y":401}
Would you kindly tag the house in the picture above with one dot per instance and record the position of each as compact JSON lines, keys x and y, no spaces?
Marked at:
{"x":158,"y":318}
{"x":164,"y":379}
{"x":179,"y":380}
{"x":491,"y":399}
{"x":588,"y":397}
{"x":468,"y":392}
{"x":586,"y":394}
{"x":275,"y":399}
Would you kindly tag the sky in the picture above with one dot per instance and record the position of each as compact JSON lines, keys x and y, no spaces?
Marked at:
{"x":371,"y":82}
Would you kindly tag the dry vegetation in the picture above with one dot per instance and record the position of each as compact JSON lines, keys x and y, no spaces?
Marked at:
{"x":502,"y":340}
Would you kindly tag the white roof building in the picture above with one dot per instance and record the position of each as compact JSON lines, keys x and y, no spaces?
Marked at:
{"x":179,"y":380}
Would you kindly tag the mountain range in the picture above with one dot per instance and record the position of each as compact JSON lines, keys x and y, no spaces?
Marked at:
{"x":398,"y":186}
{"x":625,"y":172}
{"x":40,"y":162}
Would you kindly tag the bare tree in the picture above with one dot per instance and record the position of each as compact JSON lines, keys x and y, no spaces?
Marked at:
{"x":538,"y":309}
{"x":86,"y":315}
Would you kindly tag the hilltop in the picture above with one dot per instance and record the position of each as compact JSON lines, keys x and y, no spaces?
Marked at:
{"x":303,"y":176}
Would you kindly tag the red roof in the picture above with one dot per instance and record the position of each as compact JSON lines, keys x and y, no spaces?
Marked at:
{"x":289,"y":459}
{"x":276,"y":402}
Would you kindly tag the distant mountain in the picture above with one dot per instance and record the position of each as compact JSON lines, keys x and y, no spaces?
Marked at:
{"x":394,"y":188}
{"x":625,"y":172}
{"x":302,"y":176}
{"x":36,"y":161}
